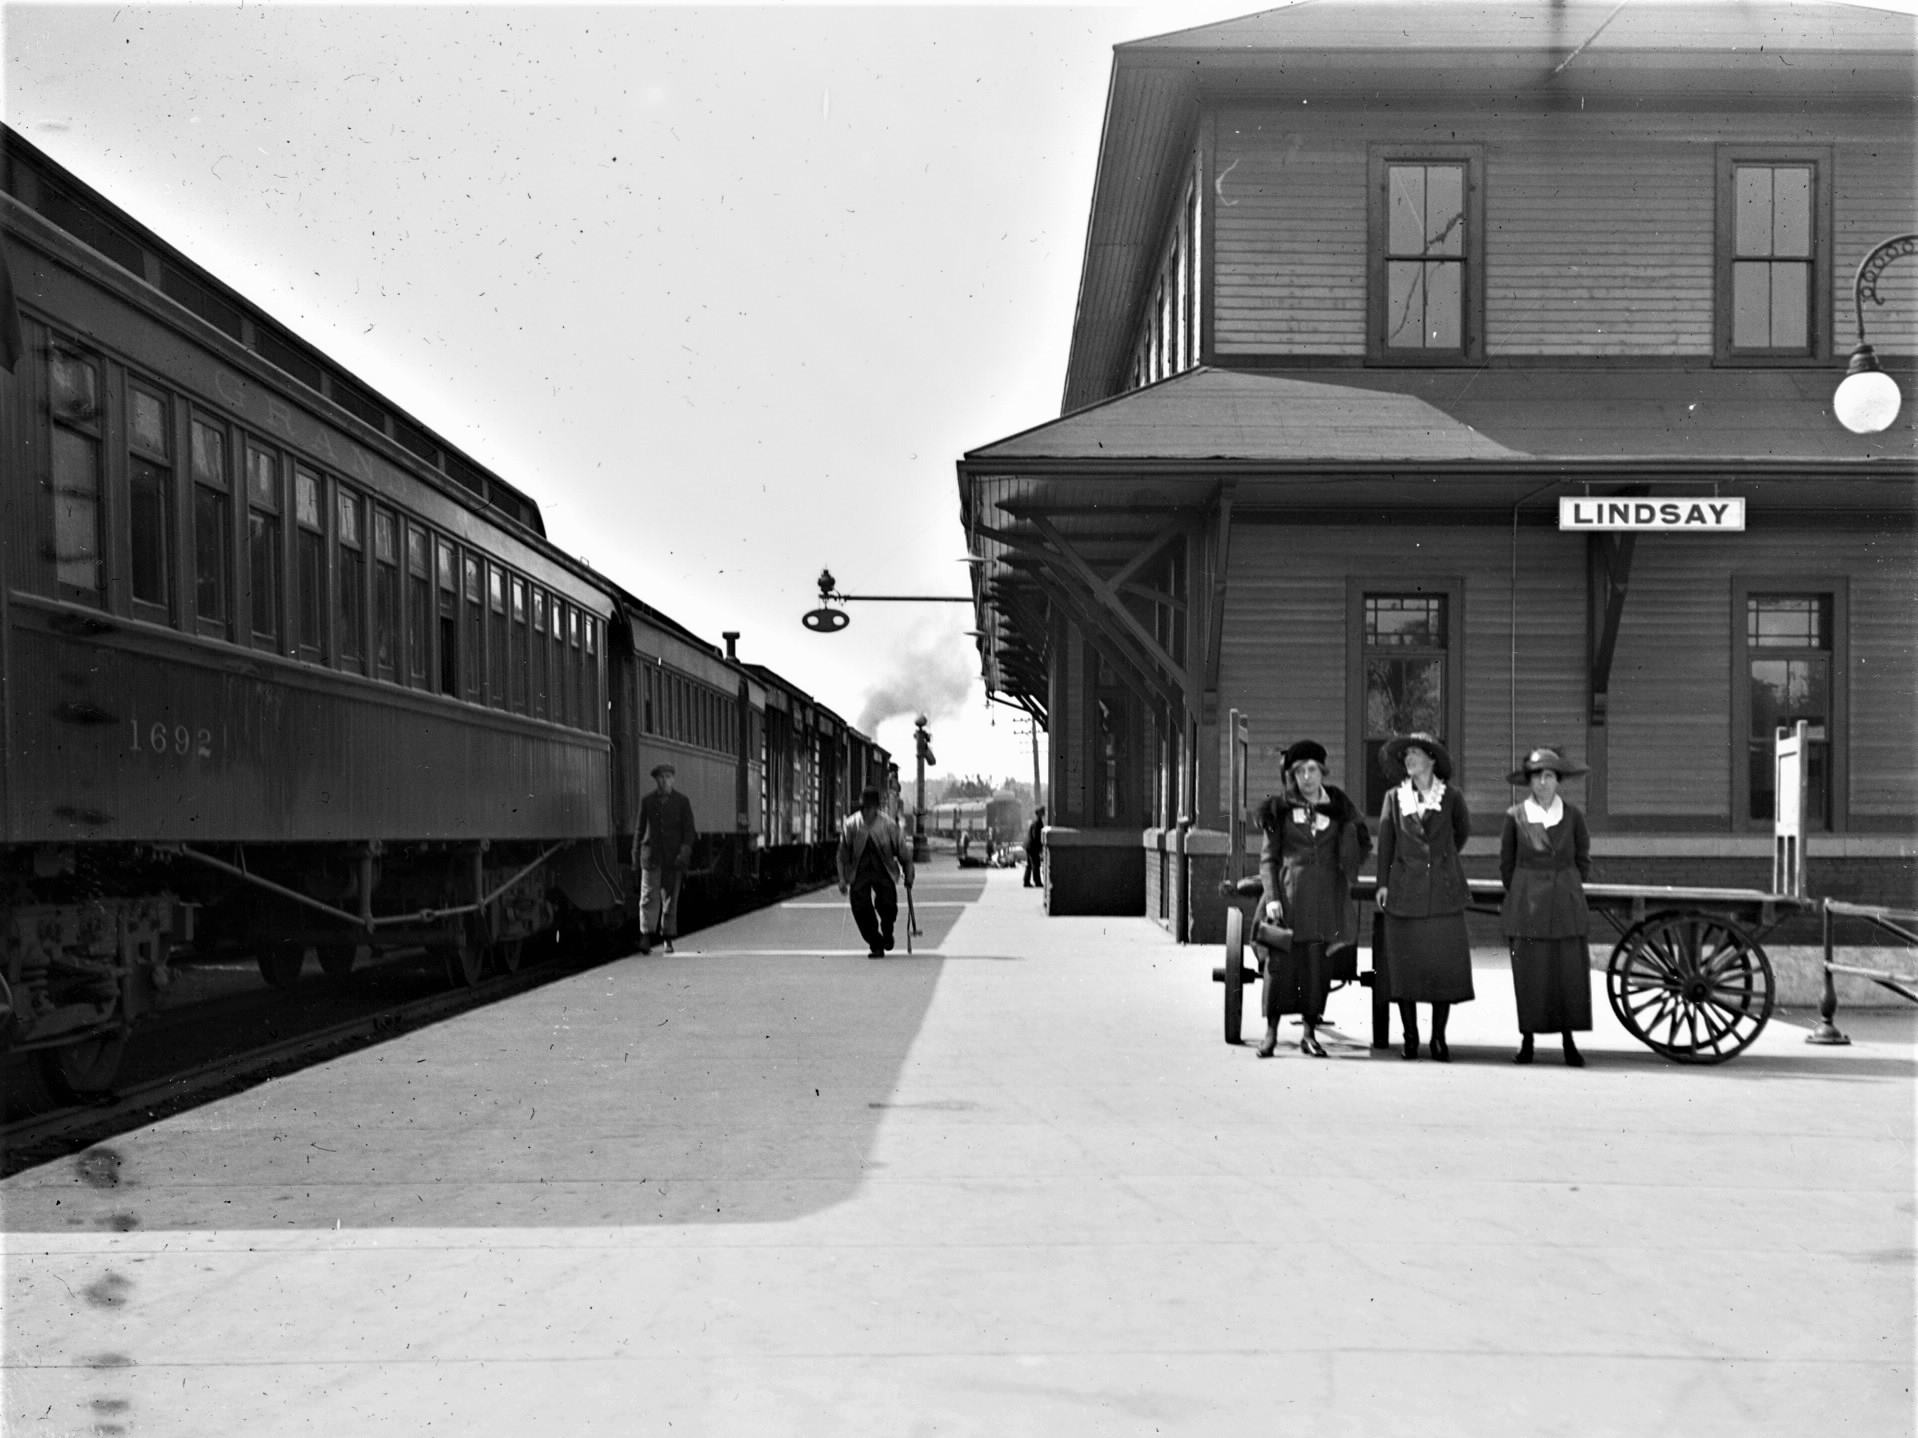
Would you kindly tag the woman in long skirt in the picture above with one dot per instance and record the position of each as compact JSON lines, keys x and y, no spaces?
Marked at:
{"x":1422,"y":890}
{"x":1544,"y":857}
{"x":1315,"y":840}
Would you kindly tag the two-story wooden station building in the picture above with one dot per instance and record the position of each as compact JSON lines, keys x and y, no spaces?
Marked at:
{"x":1369,"y":290}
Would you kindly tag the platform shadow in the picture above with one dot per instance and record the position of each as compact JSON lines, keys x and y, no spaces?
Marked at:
{"x":742,"y":1084}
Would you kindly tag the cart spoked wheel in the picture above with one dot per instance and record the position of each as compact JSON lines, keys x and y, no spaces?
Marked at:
{"x":1695,"y":988}
{"x":1234,"y":975}
{"x":75,"y":1073}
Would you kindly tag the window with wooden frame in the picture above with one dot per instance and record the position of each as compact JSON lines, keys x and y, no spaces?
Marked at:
{"x":212,"y":529}
{"x":309,"y":557}
{"x":419,"y":607}
{"x":536,"y":648}
{"x":1773,"y":254}
{"x":496,"y":637}
{"x":1789,"y":663}
{"x":265,"y":565}
{"x":1405,"y":673}
{"x":519,"y":659}
{"x":351,"y":618}
{"x":386,"y":595}
{"x":149,"y":501}
{"x":473,"y":635}
{"x":446,"y":572}
{"x":591,"y":669}
{"x":1426,"y":271}
{"x":74,"y":404}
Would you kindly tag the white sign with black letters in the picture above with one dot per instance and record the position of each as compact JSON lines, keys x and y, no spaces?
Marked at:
{"x":1704,"y":513}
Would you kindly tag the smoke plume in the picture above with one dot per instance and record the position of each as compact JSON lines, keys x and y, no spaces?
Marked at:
{"x":933,"y":677}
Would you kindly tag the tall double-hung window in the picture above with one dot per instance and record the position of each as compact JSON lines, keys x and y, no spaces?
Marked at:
{"x":1773,"y":254}
{"x":1427,"y":263}
{"x":1789,"y":652}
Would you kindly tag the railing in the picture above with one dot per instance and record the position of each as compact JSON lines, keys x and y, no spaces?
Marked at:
{"x":1901,"y":923}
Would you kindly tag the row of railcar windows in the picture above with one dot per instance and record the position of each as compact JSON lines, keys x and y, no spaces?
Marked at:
{"x":676,"y":707}
{"x":372,"y":589}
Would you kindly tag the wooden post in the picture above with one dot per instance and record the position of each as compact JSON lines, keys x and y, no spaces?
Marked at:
{"x":1827,"y":1031}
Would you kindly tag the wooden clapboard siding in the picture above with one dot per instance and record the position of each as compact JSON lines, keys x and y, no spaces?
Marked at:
{"x":1876,"y":197}
{"x":1282,"y":657}
{"x":1883,"y":574}
{"x":1285,"y":658}
{"x":1600,"y":228}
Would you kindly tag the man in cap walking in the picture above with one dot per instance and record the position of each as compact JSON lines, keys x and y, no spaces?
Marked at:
{"x":662,"y":848}
{"x":873,"y":856}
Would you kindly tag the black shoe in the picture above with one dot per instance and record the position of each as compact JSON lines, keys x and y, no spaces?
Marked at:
{"x":1523,"y":1056}
{"x":1268,"y":1048}
{"x":875,"y":953}
{"x":1311,"y":1045}
{"x":1411,"y":1049}
{"x":645,"y":943}
{"x":1573,"y":1058}
{"x":1441,"y":1052}
{"x":888,"y":943}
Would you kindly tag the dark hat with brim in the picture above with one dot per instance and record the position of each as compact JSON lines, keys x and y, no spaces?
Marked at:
{"x":1301,"y":751}
{"x":1392,"y":756}
{"x":1545,"y":757}
{"x":659,"y":769}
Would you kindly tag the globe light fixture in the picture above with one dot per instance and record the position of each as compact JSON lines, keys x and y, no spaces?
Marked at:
{"x":1867,"y":400}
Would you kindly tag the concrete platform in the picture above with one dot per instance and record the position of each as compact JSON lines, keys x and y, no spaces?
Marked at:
{"x":1013,"y":1185}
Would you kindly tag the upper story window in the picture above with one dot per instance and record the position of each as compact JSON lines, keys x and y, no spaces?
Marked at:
{"x":1427,"y":257}
{"x":1773,"y":265}
{"x":1168,"y":340}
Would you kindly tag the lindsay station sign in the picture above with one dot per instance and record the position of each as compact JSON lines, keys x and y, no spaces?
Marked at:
{"x":1602,"y":512}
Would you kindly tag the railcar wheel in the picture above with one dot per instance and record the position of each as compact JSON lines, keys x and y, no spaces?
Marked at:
{"x":77,"y":1072}
{"x":280,"y":965}
{"x":508,"y":955}
{"x":465,"y":961}
{"x":337,"y":960}
{"x":1694,"y":988}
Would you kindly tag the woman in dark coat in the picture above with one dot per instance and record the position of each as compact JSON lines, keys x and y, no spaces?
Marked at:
{"x":1422,"y":892}
{"x":1544,"y":857}
{"x":1315,"y":840}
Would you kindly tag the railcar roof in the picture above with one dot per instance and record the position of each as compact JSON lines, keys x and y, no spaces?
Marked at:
{"x":73,"y":206}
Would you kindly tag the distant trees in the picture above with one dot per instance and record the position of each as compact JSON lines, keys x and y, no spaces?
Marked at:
{"x":976,"y":787}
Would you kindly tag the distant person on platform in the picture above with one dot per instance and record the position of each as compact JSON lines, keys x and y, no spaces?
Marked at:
{"x":1035,"y":836}
{"x":873,"y":858}
{"x":662,"y":848}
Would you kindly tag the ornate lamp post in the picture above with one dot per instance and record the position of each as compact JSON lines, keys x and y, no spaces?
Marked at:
{"x":1867,"y":400}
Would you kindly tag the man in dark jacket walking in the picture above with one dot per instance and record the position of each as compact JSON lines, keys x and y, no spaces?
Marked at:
{"x":1035,"y":836}
{"x":662,"y":848}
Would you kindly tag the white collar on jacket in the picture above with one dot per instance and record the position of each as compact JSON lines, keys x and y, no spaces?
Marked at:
{"x":1416,"y":804}
{"x":1545,"y":818}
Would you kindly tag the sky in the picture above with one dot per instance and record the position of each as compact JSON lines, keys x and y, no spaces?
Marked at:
{"x":728,"y":290}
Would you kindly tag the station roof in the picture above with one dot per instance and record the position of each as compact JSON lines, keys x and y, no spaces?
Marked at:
{"x":1299,"y":417}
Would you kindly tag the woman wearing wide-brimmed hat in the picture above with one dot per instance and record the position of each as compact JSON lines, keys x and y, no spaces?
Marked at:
{"x":1544,"y":857}
{"x":1315,"y":840}
{"x":1422,"y":890}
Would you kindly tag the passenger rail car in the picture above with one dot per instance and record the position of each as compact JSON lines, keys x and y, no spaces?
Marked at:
{"x":1000,"y":818}
{"x":285,"y":673}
